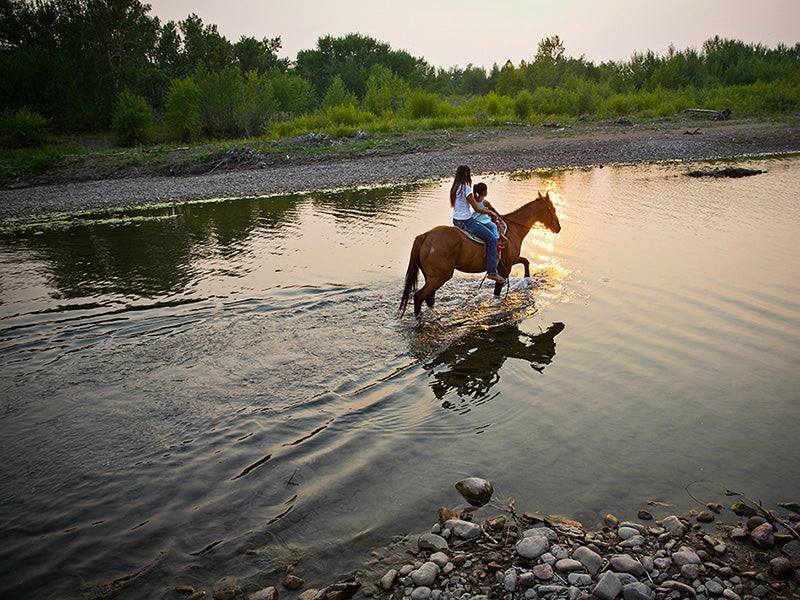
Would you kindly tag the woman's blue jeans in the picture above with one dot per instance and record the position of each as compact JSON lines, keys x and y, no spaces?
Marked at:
{"x":487,"y":236}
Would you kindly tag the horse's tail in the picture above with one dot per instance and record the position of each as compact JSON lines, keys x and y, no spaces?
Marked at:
{"x":412,"y":274}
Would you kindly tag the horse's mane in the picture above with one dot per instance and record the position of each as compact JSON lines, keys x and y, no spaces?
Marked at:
{"x":516,"y":211}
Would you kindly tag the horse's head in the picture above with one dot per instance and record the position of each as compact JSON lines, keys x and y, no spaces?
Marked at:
{"x":553,"y":225}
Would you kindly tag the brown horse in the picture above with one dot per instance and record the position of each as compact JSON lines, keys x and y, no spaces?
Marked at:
{"x":443,"y":249}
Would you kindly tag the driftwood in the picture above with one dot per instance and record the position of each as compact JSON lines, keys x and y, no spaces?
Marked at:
{"x":695,"y":131}
{"x":717,"y":115}
{"x":347,"y":587}
{"x":726,"y":172}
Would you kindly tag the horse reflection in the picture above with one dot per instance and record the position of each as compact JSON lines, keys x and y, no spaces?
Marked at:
{"x":471,"y":366}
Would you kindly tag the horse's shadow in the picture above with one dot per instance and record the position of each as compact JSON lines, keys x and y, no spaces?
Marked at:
{"x":470,"y":367}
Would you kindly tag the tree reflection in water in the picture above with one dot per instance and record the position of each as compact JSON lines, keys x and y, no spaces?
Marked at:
{"x":470,"y":367}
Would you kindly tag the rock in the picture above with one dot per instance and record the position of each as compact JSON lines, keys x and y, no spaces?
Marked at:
{"x":532,"y":547}
{"x":743,"y":510}
{"x":580,"y":579}
{"x":633,"y":541}
{"x":475,"y":490}
{"x":421,"y":593}
{"x":792,"y":550}
{"x":623,"y":563}
{"x":543,"y":572}
{"x":226,"y":589}
{"x":510,"y":580}
{"x":738,"y":534}
{"x":445,"y":514}
{"x":645,"y":515}
{"x":625,"y":532}
{"x":544,"y":532}
{"x":426,"y":574}
{"x":730,"y":594}
{"x":566,"y":565}
{"x":781,"y":568}
{"x":590,"y":559}
{"x":690,"y":572}
{"x":387,"y":581}
{"x":714,"y":507}
{"x":763,"y":536}
{"x":497,"y":523}
{"x":465,"y":530}
{"x":686,"y":556}
{"x":705,"y":516}
{"x":291,"y":582}
{"x":268,"y":593}
{"x":431,"y":541}
{"x":608,"y":587}
{"x":636,"y":591}
{"x":754,"y":522}
{"x":611,"y":521}
{"x":311,"y":593}
{"x":674,"y":526}
{"x":714,"y":587}
{"x":440,"y":558}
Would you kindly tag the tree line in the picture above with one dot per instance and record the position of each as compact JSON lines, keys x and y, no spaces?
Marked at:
{"x":71,"y":66}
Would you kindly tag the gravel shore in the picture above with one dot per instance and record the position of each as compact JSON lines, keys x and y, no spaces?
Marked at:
{"x":503,"y":149}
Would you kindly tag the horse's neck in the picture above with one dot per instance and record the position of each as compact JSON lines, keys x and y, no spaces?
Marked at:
{"x":527,"y":215}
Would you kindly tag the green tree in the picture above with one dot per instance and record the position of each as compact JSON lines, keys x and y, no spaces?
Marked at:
{"x":337,"y":94}
{"x":132,"y":122}
{"x":258,"y":103}
{"x":385,"y":92}
{"x":221,"y":100}
{"x":182,"y":112}
{"x":259,"y":55}
{"x":293,"y":94}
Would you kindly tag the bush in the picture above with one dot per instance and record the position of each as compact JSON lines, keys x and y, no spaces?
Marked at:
{"x":24,"y":129}
{"x":182,"y":113}
{"x":132,"y":122}
{"x":422,"y":105}
{"x":523,"y":105}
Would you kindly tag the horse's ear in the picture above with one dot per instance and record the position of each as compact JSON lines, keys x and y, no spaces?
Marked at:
{"x":540,"y":194}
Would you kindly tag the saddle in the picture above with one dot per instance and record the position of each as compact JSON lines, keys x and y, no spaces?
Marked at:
{"x":501,"y":229}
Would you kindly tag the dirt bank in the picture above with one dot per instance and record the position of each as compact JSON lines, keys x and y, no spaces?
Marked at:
{"x":420,"y":157}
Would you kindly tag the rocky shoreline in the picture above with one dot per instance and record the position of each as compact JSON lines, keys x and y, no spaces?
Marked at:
{"x":493,"y":552}
{"x":433,"y":156}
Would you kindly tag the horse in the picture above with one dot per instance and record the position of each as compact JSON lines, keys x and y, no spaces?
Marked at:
{"x":440,"y":251}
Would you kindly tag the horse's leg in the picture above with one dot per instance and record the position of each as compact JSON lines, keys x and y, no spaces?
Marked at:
{"x":525,"y":263}
{"x":427,"y":293}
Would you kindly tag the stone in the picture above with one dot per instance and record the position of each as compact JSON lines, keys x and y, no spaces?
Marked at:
{"x":633,"y":542}
{"x":445,"y":514}
{"x":590,"y":559}
{"x":387,"y":581}
{"x":532,"y":547}
{"x":565,"y":565}
{"x":754,"y":522}
{"x":730,"y":594}
{"x":738,"y":534}
{"x":626,"y":564}
{"x":781,"y":568}
{"x":543,"y":572}
{"x":645,"y":515}
{"x":713,"y":587}
{"x":475,"y":490}
{"x":705,"y":516}
{"x":637,"y":591}
{"x":763,"y":536}
{"x":626,"y":532}
{"x":426,"y":574}
{"x":544,"y":532}
{"x":226,"y":589}
{"x":268,"y":593}
{"x":464,"y":530}
{"x":291,"y":582}
{"x":421,"y":593}
{"x":611,"y":521}
{"x":690,"y":572}
{"x":510,"y":580}
{"x":792,"y":550}
{"x":686,"y":556}
{"x":674,"y":526}
{"x":440,"y":558}
{"x":432,"y":541}
{"x":580,"y":579}
{"x":608,"y":587}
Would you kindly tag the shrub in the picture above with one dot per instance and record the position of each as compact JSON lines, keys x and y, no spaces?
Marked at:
{"x":132,"y":122}
{"x":182,"y":114}
{"x":24,"y":129}
{"x":423,"y":105}
{"x":523,"y":104}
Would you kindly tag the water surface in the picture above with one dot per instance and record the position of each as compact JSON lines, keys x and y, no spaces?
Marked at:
{"x":223,"y":388}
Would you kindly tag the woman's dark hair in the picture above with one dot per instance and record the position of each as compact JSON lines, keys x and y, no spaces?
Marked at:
{"x":463,"y":177}
{"x":479,"y":189}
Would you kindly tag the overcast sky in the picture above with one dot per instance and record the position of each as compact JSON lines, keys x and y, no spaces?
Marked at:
{"x":450,"y":33}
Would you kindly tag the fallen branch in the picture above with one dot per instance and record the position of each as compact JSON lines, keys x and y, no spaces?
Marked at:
{"x":348,"y":587}
{"x":717,"y":115}
{"x":767,"y":514}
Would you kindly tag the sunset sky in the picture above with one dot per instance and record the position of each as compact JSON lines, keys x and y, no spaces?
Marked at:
{"x":450,"y":33}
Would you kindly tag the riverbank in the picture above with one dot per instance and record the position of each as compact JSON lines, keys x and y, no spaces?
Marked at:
{"x":421,"y":157}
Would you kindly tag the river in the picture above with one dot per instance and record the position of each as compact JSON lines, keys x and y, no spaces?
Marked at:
{"x":224,"y":388}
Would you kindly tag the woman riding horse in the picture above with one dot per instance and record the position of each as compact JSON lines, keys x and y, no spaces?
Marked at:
{"x":440,"y":251}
